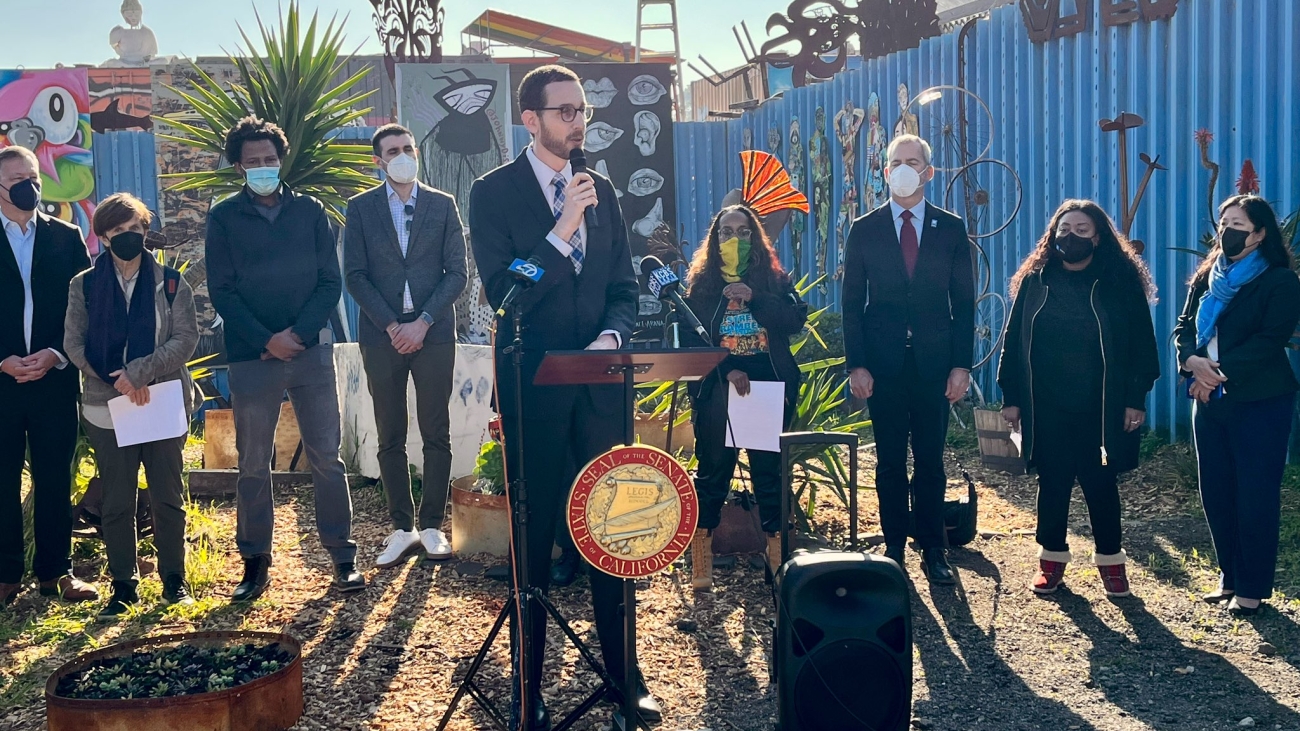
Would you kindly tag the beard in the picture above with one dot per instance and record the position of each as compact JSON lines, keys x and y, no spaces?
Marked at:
{"x":557,"y":144}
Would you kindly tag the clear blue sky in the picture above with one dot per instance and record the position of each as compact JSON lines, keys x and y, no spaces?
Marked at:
{"x":76,"y":31}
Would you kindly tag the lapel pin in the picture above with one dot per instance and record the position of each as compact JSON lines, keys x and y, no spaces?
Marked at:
{"x":934,"y":223}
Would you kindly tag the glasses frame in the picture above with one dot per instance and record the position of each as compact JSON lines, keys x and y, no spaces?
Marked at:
{"x":587,"y":110}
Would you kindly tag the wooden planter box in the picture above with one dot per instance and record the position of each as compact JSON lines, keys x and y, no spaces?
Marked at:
{"x":479,"y":523}
{"x":271,"y":703}
{"x":996,"y":448}
{"x":220,"y":452}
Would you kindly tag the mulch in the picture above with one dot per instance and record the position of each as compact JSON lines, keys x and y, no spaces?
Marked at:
{"x":1004,"y":659}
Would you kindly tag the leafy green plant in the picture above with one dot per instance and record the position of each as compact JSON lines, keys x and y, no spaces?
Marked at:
{"x":179,"y":670}
{"x":490,"y":469}
{"x":288,"y":83}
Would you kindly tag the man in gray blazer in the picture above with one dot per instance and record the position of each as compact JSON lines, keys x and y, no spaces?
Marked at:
{"x":404,"y":256}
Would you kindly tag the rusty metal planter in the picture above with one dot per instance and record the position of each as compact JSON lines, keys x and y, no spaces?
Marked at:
{"x":270,"y":703}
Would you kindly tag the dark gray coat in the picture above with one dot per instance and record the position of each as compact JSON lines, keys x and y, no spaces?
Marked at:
{"x":376,"y":272}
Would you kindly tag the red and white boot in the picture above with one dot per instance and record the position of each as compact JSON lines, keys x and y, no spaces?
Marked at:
{"x":1114,"y":574}
{"x":1051,"y":571}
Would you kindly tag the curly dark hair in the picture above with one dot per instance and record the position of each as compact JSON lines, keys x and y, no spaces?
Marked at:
{"x":1119,"y":262}
{"x":765,"y":274}
{"x":251,"y":129}
{"x":1261,"y":214}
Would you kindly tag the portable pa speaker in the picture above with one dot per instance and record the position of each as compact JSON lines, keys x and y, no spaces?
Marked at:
{"x":842,"y":658}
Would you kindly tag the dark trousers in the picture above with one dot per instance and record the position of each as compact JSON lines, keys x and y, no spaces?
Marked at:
{"x":387,"y":371}
{"x":551,"y":449}
{"x":119,"y":470}
{"x":903,"y":406}
{"x":717,"y":465}
{"x":1240,"y":454}
{"x":1067,"y":447}
{"x":46,"y":423}
{"x":257,"y":387}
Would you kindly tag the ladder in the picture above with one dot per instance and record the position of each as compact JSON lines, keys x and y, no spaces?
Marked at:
{"x":678,"y":88}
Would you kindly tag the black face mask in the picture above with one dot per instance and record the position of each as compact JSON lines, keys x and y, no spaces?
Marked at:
{"x":127,"y":245}
{"x":25,"y":194}
{"x":1233,"y":241}
{"x":1074,"y":248}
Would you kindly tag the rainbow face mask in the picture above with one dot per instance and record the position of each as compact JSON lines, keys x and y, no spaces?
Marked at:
{"x":735,"y":258}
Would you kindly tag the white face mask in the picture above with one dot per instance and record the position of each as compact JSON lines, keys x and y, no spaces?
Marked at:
{"x":403,"y":169}
{"x":903,"y":181}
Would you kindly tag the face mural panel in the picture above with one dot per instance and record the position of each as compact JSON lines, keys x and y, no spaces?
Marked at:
{"x":48,"y":112}
{"x":848,"y":121}
{"x":877,"y":143}
{"x":458,"y":115}
{"x":799,"y":224}
{"x":820,"y":155}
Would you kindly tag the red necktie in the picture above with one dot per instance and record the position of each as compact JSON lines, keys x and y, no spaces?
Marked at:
{"x":907,"y":240}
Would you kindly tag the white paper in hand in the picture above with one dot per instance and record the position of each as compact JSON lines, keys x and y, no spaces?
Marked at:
{"x":162,"y":418}
{"x":755,"y":420}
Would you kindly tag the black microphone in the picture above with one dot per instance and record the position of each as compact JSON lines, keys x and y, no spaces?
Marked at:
{"x":665,"y":285}
{"x":526,"y":273}
{"x":578,"y":162}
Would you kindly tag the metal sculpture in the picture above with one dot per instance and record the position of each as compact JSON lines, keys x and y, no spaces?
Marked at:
{"x":410,"y":31}
{"x":1121,"y":125}
{"x":821,"y":31}
{"x":1044,"y":21}
{"x":1203,"y":139}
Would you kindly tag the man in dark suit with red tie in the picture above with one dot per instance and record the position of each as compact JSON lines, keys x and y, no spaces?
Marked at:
{"x":571,"y":222}
{"x":909,"y":321}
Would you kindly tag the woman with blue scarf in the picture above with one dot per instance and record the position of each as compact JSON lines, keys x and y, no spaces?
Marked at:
{"x":130,"y":324}
{"x":1232,"y":338}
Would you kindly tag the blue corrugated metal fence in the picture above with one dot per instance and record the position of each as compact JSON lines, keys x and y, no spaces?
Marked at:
{"x":1228,"y":66}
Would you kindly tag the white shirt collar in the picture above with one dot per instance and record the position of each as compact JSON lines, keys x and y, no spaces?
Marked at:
{"x":546,"y":175}
{"x":918,"y":211}
{"x":415,"y":190}
{"x":6,"y":224}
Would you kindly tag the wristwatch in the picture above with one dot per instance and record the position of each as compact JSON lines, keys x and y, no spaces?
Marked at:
{"x":426,"y":318}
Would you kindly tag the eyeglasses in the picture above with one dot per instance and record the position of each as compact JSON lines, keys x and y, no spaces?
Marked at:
{"x":568,"y":112}
{"x":727,"y":233}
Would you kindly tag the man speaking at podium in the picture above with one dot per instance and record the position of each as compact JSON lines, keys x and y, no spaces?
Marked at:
{"x":571,"y":225}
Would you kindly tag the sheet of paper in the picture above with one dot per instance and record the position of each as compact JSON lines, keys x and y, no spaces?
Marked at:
{"x":1017,"y":439}
{"x":755,"y":419}
{"x":162,"y":418}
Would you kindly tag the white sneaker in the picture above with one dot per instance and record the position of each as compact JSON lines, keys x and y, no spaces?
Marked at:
{"x":435,"y":543}
{"x":397,"y":547}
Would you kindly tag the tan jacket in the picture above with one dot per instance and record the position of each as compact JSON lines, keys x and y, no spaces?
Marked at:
{"x":177,"y":334}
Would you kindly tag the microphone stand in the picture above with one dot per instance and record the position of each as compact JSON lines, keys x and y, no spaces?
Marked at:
{"x":522,"y":591}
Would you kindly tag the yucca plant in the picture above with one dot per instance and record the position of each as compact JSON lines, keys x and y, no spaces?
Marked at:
{"x":289,"y":83}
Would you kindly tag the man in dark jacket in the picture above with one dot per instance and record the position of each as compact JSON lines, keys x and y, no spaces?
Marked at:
{"x":405,"y":258}
{"x":909,"y":324}
{"x":273,"y":275}
{"x":39,"y":255}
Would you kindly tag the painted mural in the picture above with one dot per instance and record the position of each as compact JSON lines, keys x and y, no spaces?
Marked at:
{"x":799,"y":225}
{"x":120,"y":99}
{"x":819,"y":155}
{"x":458,"y":114}
{"x":48,"y":112}
{"x":848,"y":122}
{"x":873,"y":187}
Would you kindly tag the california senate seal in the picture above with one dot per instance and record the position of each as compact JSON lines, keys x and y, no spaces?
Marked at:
{"x":632,"y":511}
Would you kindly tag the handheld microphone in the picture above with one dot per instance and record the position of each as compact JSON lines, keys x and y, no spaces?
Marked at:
{"x":526,"y":273}
{"x":578,"y":163}
{"x":665,"y":285}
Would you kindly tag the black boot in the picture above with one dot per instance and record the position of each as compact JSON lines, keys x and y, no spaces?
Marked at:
{"x":565,"y":569}
{"x":124,"y":597}
{"x":176,"y":591}
{"x":347,"y":579}
{"x":646,"y":705}
{"x":898,"y":554}
{"x":937,"y":569}
{"x":257,"y":576}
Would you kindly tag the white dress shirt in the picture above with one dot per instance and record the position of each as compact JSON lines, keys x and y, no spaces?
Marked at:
{"x":918,"y":217}
{"x":23,"y":243}
{"x":545,"y":178}
{"x":397,"y":208}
